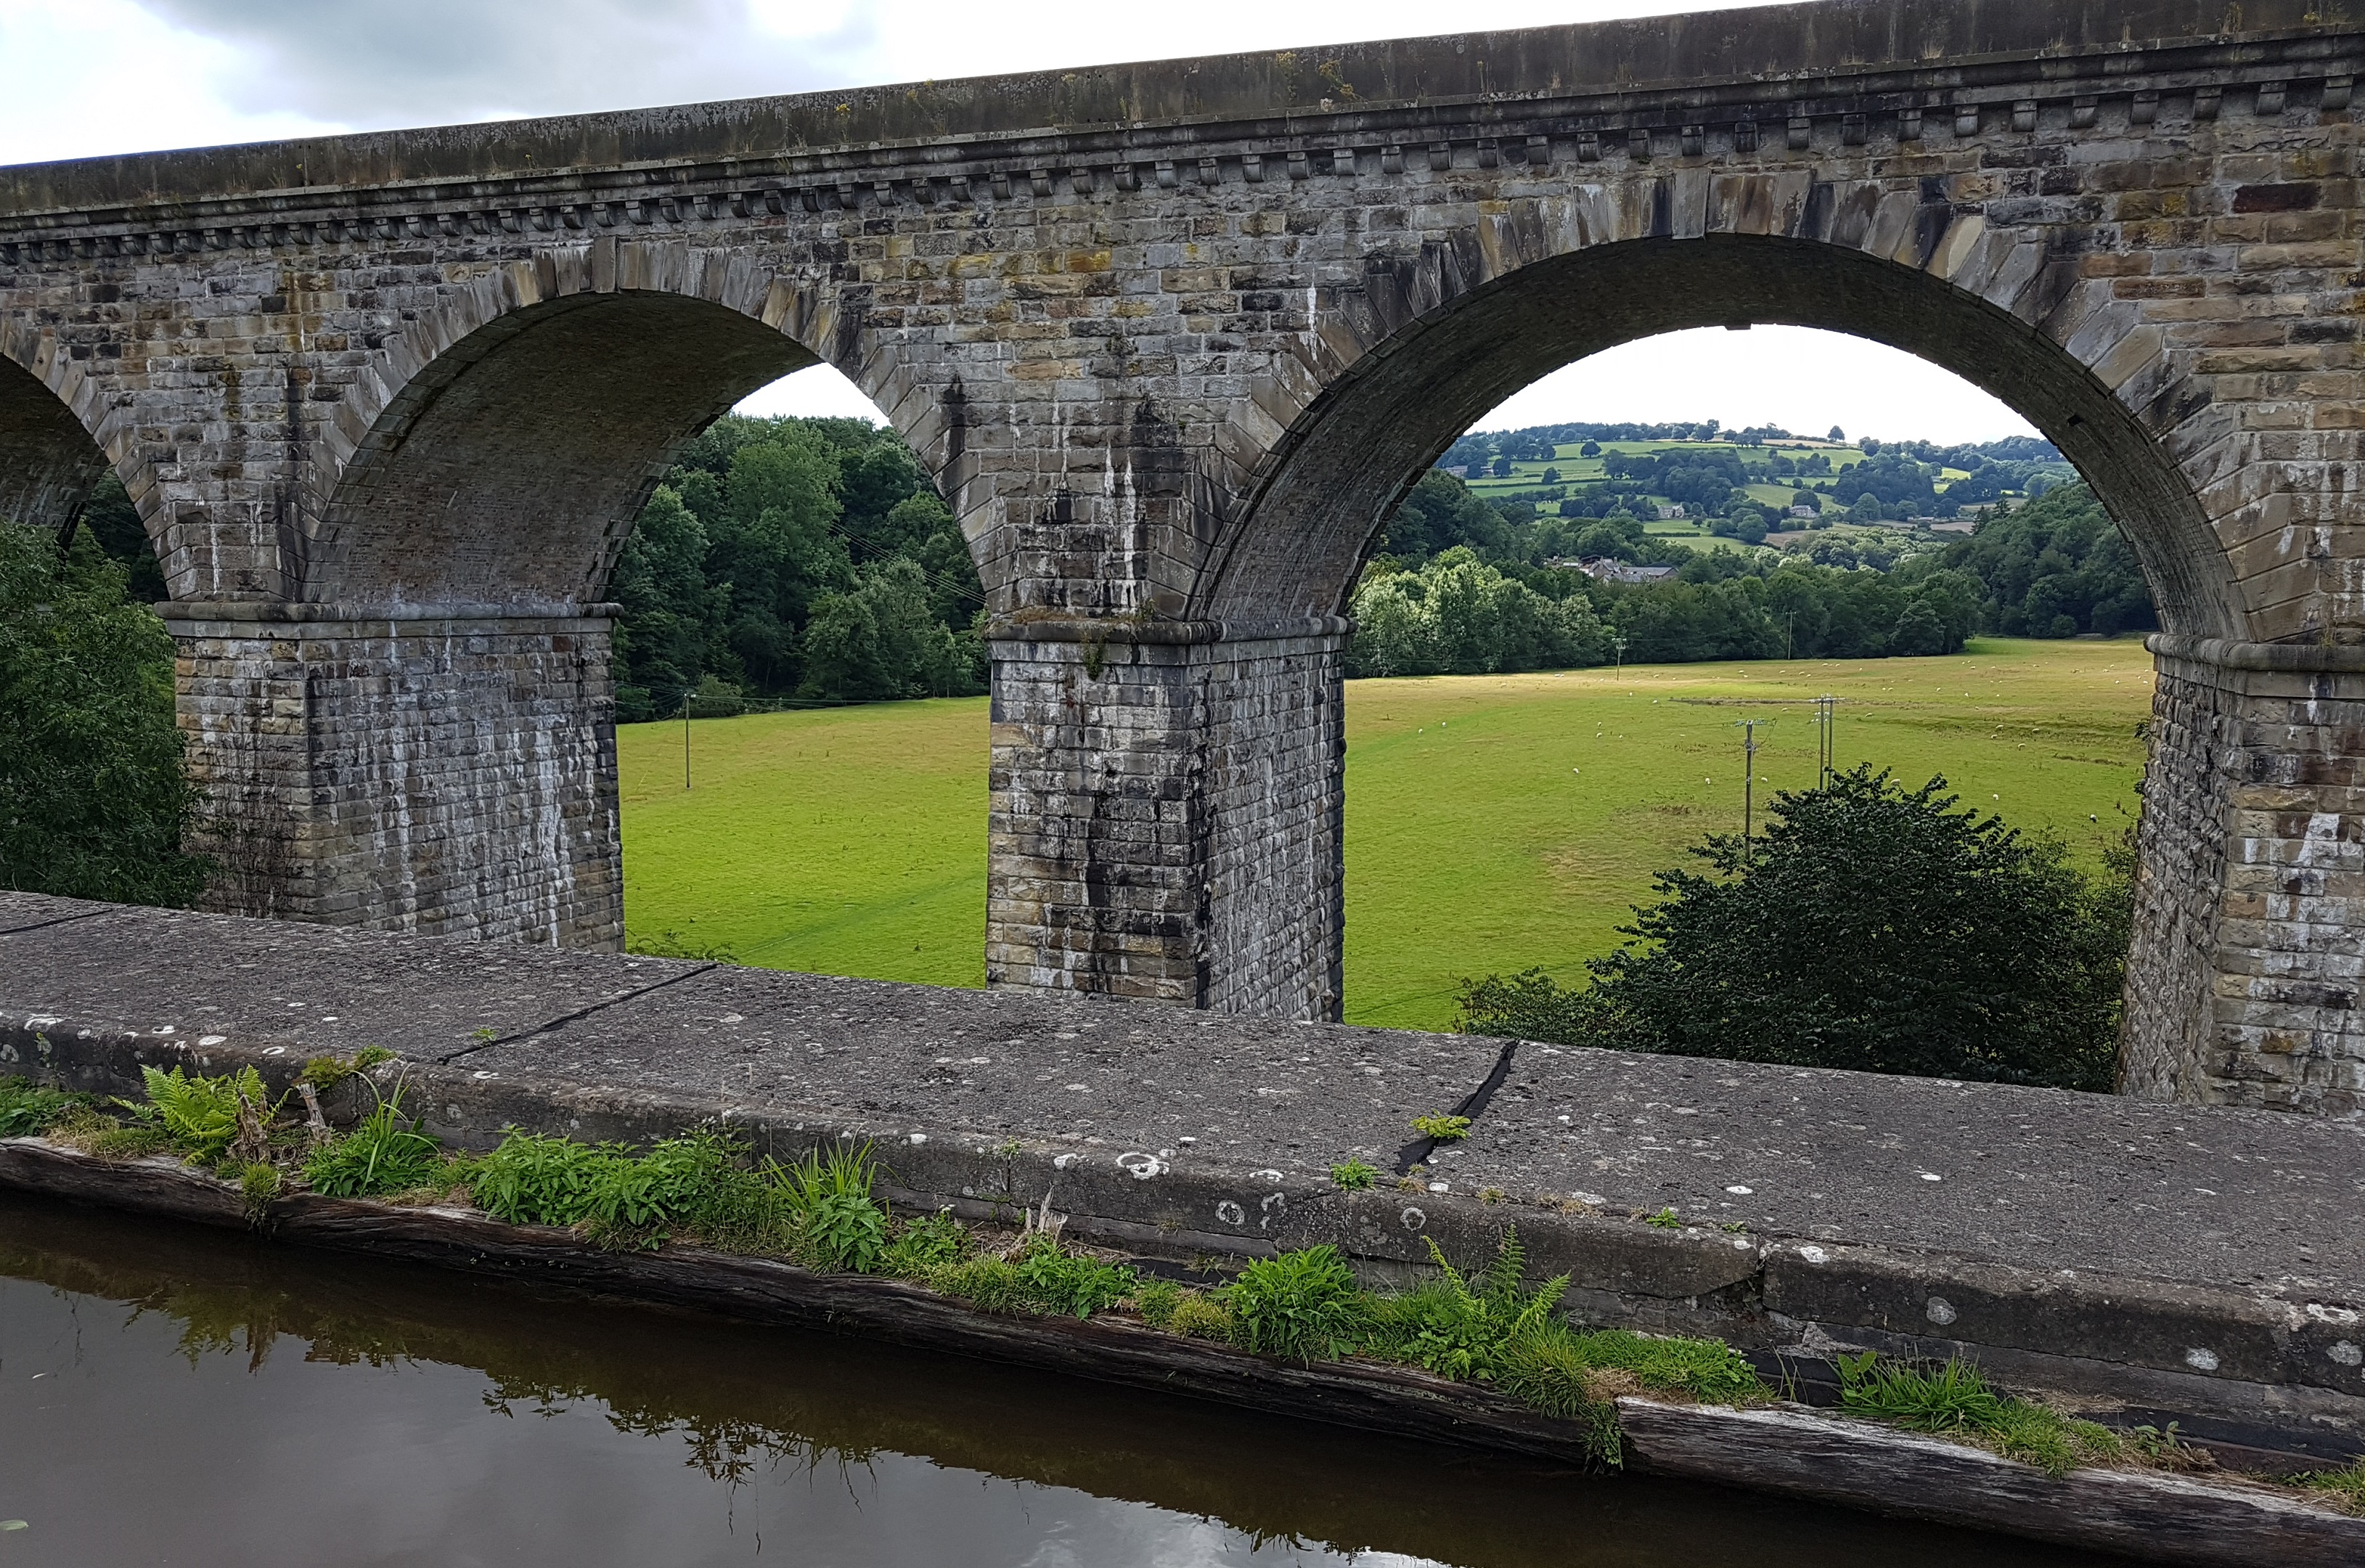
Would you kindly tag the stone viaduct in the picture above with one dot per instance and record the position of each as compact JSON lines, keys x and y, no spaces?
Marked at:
{"x":1173,"y":338}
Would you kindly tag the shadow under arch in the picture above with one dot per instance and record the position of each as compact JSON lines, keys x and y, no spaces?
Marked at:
{"x":508,"y":468}
{"x":1295,"y":548}
{"x":48,"y":457}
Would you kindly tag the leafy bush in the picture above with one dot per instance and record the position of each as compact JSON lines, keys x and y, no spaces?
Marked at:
{"x":535,"y":1179}
{"x":1870,"y":927}
{"x":384,"y":1154}
{"x":1301,"y":1306}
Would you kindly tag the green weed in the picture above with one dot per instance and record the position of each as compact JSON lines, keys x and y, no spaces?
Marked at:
{"x":28,"y":1109}
{"x":1707,"y":1369}
{"x":1301,"y":1306}
{"x":1461,"y":1327}
{"x":1445,"y":1129}
{"x":382,"y":1154}
{"x":1953,"y":1399}
{"x":1059,"y":1281}
{"x":534,"y":1179}
{"x":258,"y":1183}
{"x":921,"y":1245}
{"x":1354,"y":1176}
{"x":843,"y":1227}
{"x":1666,"y":1219}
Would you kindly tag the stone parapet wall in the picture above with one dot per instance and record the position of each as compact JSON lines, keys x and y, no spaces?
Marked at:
{"x":1164,"y":819}
{"x":2249,"y":947}
{"x":444,"y":774}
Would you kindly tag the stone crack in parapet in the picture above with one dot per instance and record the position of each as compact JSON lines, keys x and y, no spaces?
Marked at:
{"x":61,"y":919}
{"x":1472,"y":1105}
{"x":566,"y":1018}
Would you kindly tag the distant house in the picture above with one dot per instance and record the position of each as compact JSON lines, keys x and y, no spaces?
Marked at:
{"x":1605,"y":569}
{"x":1671,"y":512}
{"x":1460,"y":470}
{"x":1806,"y":511}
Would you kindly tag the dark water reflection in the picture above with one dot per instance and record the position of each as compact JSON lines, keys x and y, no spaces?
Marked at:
{"x":169,"y":1395}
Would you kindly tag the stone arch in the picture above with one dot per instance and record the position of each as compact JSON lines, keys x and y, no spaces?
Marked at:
{"x":1426,"y":344}
{"x":497,"y":451}
{"x":54,"y":433}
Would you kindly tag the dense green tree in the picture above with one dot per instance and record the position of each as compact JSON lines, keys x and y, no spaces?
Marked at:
{"x":2055,"y":567}
{"x":114,"y":523}
{"x":775,"y":544}
{"x":95,"y":799}
{"x":1872,"y":928}
{"x":1458,"y":616}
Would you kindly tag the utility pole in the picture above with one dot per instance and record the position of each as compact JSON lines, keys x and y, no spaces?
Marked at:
{"x":1789,"y":634}
{"x":1825,"y":755}
{"x":1617,"y":644}
{"x":1748,"y":783}
{"x":685,"y":740}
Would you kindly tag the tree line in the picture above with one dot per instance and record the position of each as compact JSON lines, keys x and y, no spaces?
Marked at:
{"x":1459,"y":588}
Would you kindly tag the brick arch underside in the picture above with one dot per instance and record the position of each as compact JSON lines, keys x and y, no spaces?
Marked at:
{"x":49,"y":460}
{"x":508,"y":470}
{"x":1328,"y":485}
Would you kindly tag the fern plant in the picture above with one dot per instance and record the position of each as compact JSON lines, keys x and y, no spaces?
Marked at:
{"x":205,"y":1115}
{"x":1463,"y":1327}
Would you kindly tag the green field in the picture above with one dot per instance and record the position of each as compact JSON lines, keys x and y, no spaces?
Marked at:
{"x":1493,"y":822}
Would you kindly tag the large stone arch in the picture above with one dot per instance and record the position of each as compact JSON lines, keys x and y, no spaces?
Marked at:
{"x":1425,"y":344}
{"x":498,"y":448}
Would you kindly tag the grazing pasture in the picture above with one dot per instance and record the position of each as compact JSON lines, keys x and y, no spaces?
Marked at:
{"x":1493,"y":822}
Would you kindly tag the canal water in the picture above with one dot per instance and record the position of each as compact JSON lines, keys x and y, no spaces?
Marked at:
{"x":172,"y":1395}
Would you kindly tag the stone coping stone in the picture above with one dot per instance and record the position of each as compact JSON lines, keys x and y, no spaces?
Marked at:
{"x":1142,"y":1076}
{"x":174,"y":974}
{"x":2261,"y":1200}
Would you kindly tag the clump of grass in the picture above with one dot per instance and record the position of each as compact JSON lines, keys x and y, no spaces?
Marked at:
{"x":695,"y":1184}
{"x":28,"y":1109}
{"x":1037,"y":1276}
{"x":1156,"y":1300}
{"x":383,"y":1155}
{"x":1200,"y":1315}
{"x":2341,"y":1489}
{"x":1954,"y":1398}
{"x":259,"y":1182}
{"x":1302,"y":1306}
{"x":1445,"y":1129}
{"x":1354,"y":1176}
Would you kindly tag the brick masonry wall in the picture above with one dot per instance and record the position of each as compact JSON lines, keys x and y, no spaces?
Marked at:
{"x":2244,"y":983}
{"x":449,"y":776}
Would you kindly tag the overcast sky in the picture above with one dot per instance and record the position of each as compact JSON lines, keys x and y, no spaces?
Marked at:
{"x":85,"y":77}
